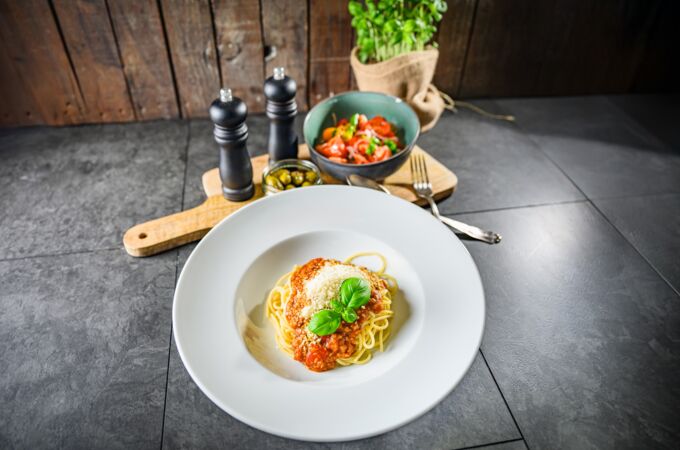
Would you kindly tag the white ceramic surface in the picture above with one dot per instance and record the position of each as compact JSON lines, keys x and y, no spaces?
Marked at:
{"x":228,"y":347}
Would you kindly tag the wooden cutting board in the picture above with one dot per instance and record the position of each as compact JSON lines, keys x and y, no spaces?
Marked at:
{"x":165,"y":233}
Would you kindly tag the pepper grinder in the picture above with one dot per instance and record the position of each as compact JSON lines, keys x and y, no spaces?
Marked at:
{"x":281,"y":108}
{"x":228,"y":114}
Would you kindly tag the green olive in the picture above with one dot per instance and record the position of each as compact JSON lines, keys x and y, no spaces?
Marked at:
{"x":310,"y":176}
{"x":283,"y":175}
{"x":298,"y":177}
{"x":306,"y":183}
{"x":273,"y":182}
{"x":290,"y":186}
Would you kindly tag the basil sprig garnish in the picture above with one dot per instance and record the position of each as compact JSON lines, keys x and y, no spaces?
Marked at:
{"x":354,"y":293}
{"x":324,"y":322}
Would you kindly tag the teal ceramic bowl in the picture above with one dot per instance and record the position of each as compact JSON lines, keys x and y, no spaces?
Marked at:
{"x":394,"y":109}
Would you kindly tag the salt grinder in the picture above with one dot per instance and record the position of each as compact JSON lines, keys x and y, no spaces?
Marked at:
{"x":229,"y":114}
{"x":281,"y":110}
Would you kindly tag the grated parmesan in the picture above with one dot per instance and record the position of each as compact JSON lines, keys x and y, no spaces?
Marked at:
{"x":325,"y":286}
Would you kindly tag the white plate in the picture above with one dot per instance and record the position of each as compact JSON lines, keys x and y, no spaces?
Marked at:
{"x":437,"y":327}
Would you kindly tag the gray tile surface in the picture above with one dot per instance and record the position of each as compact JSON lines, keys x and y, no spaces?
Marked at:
{"x":512,"y":445}
{"x":83,"y":350}
{"x":473,"y":414}
{"x":582,"y":335}
{"x":659,"y":114}
{"x":80,"y":188}
{"x":496,"y":164}
{"x":598,"y":146}
{"x":652,"y":224}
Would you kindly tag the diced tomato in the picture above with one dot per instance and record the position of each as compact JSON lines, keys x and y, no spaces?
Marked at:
{"x":380,"y":126}
{"x":360,"y":159}
{"x":362,"y":146}
{"x":353,"y":142}
{"x":337,"y":147}
{"x":342,"y":122}
{"x":362,"y":120}
{"x":338,"y":159}
{"x":328,"y":133}
{"x":323,"y":149}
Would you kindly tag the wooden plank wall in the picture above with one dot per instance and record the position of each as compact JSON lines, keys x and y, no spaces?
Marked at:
{"x":82,"y":61}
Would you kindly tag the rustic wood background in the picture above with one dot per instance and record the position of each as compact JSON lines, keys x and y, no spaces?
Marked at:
{"x":82,"y":61}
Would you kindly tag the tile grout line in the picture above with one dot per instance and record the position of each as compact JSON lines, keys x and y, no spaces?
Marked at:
{"x":507,"y":208}
{"x":644,"y":258}
{"x":604,"y":216}
{"x":493,"y":377}
{"x":167,"y":371}
{"x":507,"y":441}
{"x":66,"y":253}
{"x":648,"y":194}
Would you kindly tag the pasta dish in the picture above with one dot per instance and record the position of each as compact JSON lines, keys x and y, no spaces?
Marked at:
{"x":328,"y":313}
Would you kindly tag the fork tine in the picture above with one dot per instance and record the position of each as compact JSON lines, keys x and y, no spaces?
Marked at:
{"x":416,"y":161}
{"x":415,"y":174}
{"x":424,"y":166}
{"x":419,"y":169}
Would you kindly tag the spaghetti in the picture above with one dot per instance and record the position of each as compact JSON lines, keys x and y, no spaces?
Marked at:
{"x":288,"y":308}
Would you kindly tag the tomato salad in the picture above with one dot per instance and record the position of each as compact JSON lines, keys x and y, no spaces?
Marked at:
{"x":359,"y":140}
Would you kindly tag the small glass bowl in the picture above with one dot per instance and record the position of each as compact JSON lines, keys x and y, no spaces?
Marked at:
{"x":290,"y":164}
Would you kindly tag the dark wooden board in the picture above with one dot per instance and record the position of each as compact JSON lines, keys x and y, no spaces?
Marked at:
{"x":284,"y":24}
{"x":328,"y":77}
{"x":239,"y":42}
{"x":91,"y":43}
{"x":553,"y":47}
{"x":189,"y":28}
{"x":453,"y":38}
{"x":329,"y":48}
{"x":42,"y":73}
{"x":74,"y":61}
{"x":17,"y":105}
{"x":141,"y":41}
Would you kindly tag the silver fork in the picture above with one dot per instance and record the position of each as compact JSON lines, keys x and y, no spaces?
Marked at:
{"x":423,"y":188}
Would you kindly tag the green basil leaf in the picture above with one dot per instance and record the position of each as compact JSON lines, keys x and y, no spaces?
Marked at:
{"x":355,"y":292}
{"x":324,"y":322}
{"x":337,"y":306}
{"x":354,"y":8}
{"x":349,"y":316}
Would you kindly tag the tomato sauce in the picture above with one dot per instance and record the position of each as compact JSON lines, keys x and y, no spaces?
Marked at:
{"x":320,"y":353}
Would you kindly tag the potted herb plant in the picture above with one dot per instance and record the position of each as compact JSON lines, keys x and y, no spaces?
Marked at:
{"x":395,"y":52}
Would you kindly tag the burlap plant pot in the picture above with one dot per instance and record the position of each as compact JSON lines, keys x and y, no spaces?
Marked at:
{"x":408,"y":76}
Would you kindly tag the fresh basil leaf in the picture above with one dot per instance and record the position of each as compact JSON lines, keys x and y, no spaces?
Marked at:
{"x":349,"y":316}
{"x":355,"y":8}
{"x":324,"y":322}
{"x":355,"y":292}
{"x":337,"y":306}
